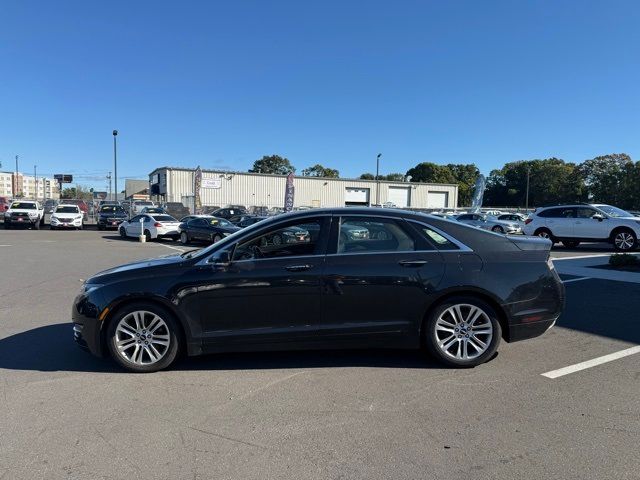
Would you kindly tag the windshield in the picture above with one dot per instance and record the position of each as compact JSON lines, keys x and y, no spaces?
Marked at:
{"x":23,"y":205}
{"x":164,"y":218}
{"x":112,"y":209}
{"x":67,"y":210}
{"x":220,"y":222}
{"x":145,"y":204}
{"x":614,"y":211}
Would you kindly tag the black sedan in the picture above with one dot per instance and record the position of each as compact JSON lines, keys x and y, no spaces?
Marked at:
{"x":111,"y":216}
{"x":455,"y":289}
{"x":205,"y":229}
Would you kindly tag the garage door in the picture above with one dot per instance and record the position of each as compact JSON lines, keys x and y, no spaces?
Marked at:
{"x":437,"y":199}
{"x":356,"y":196}
{"x":399,"y":196}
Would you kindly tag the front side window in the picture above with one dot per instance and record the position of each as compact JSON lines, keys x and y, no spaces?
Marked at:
{"x":585,"y":212}
{"x":292,"y":239}
{"x":371,"y":234}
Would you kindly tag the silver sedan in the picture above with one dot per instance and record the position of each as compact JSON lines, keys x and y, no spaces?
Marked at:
{"x":487,"y":222}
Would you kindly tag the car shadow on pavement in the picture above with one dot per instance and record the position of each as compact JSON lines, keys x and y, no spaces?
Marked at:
{"x":51,"y":349}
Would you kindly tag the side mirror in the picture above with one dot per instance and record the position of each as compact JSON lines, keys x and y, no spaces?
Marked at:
{"x":222,"y":259}
{"x":598,"y":217}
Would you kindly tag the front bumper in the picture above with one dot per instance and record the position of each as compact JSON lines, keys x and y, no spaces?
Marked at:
{"x":110,"y":222}
{"x":21,"y":220}
{"x":87,"y":325}
{"x":64,"y":223}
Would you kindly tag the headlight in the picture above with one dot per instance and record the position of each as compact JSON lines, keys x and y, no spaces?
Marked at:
{"x":54,"y":218}
{"x":79,"y":217}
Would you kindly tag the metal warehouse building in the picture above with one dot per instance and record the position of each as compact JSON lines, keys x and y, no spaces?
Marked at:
{"x":257,"y":189}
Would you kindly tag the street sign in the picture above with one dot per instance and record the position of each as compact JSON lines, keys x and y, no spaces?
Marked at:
{"x":63,"y":178}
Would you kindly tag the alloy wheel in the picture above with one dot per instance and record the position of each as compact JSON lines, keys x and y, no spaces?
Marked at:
{"x":183,"y":238}
{"x":142,"y":338}
{"x":624,"y":241}
{"x":544,"y":234}
{"x":463,"y":332}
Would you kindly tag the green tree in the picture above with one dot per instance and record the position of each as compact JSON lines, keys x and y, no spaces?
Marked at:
{"x":367,"y":176}
{"x":393,"y":177}
{"x":274,"y":164}
{"x":78,"y":192}
{"x":465,"y":176}
{"x":551,"y":180}
{"x":428,"y":172}
{"x":611,"y":179}
{"x":318,"y":170}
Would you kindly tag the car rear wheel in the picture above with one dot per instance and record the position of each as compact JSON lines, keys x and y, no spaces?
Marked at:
{"x":462,"y":332}
{"x":497,"y":229}
{"x":624,"y":240}
{"x":216,"y":238}
{"x":147,"y":235}
{"x":7,"y":225}
{"x":143,"y":338}
{"x":184,"y":238}
{"x":570,"y":243}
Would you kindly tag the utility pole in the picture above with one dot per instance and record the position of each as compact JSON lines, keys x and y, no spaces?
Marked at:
{"x":110,"y":192}
{"x":115,"y":163}
{"x":35,"y":180}
{"x":18,"y":187}
{"x":377,"y":180}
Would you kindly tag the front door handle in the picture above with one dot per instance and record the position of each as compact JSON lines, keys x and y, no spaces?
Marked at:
{"x":412,"y":263}
{"x":298,"y":268}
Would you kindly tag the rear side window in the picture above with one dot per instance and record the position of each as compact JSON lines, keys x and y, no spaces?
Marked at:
{"x":442,"y":243}
{"x":371,"y":234}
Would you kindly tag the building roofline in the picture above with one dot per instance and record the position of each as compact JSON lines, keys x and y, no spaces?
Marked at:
{"x":228,"y":172}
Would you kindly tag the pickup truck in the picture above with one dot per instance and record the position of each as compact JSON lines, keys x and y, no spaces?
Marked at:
{"x":27,"y":212}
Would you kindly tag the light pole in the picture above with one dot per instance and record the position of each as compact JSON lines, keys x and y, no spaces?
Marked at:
{"x":18,"y":188}
{"x":526,"y":206}
{"x":115,"y":163}
{"x":378,"y":181}
{"x":35,"y":180}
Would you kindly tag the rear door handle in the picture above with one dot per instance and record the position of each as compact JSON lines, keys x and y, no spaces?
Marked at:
{"x":298,"y":268}
{"x":412,"y":263}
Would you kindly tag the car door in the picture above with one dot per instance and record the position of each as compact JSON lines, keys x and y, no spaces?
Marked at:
{"x":197,"y":227}
{"x":134,"y":228}
{"x":267,"y":295}
{"x":585,"y":226}
{"x":376,"y":290}
{"x":561,"y":221}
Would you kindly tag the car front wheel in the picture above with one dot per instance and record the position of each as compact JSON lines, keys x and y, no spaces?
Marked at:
{"x":123,"y":232}
{"x":624,"y":240}
{"x":143,"y":338}
{"x":184,"y":239}
{"x":497,"y":229}
{"x":462,"y":332}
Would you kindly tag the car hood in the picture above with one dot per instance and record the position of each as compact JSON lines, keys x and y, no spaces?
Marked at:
{"x":66,"y":215}
{"x":22,"y":210}
{"x":139,"y":265}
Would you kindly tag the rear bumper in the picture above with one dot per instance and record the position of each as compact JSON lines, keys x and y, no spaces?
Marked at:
{"x":524,"y":331}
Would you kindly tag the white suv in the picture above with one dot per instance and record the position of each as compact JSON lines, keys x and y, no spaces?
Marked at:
{"x":572,"y":224}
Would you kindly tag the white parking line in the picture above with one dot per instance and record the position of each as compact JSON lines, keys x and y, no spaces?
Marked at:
{"x":6,"y":245}
{"x":172,"y":248}
{"x":583,"y":257}
{"x":592,"y":363}
{"x":576,"y":279}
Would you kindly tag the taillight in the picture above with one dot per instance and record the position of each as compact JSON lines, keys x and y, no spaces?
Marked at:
{"x":157,"y":224}
{"x":528,"y":221}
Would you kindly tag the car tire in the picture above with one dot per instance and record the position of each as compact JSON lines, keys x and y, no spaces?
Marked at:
{"x":122,"y":232}
{"x":544,"y":233}
{"x":51,"y":227}
{"x":448,"y":347}
{"x":81,"y":226}
{"x":624,"y":240}
{"x":7,"y":225}
{"x":100,"y":227}
{"x":36,"y":225}
{"x":497,"y":229}
{"x":216,"y":238}
{"x":184,"y":238}
{"x":570,"y":243}
{"x":122,"y":327}
{"x":276,"y":239}
{"x":147,"y":235}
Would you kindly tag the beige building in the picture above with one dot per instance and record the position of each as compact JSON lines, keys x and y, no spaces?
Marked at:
{"x":254,"y":189}
{"x":12,"y":185}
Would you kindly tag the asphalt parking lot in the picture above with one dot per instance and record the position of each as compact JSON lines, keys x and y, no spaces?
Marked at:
{"x":293,"y":415}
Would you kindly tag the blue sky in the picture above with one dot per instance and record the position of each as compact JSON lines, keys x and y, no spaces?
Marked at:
{"x":334,"y":82}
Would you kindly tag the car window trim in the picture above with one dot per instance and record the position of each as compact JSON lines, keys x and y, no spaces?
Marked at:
{"x":461,"y":246}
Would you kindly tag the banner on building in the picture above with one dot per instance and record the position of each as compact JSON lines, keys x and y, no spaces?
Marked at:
{"x":197,"y":185}
{"x":211,"y":183}
{"x":288,"y":193}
